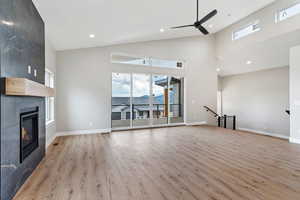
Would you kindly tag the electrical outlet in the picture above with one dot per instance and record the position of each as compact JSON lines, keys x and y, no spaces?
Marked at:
{"x":29,"y":69}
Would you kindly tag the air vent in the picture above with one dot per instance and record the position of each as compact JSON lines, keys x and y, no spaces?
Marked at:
{"x":179,"y":64}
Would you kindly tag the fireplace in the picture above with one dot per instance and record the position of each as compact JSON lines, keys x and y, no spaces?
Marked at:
{"x":29,"y":132}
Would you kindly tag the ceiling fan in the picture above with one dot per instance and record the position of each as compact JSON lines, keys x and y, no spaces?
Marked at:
{"x":198,"y":23}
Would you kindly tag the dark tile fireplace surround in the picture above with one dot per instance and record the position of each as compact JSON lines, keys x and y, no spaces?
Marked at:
{"x":22,"y":119}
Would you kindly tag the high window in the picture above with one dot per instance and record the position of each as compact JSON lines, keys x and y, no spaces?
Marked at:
{"x":120,"y":58}
{"x":246,"y":30}
{"x":287,"y":12}
{"x":49,"y":82}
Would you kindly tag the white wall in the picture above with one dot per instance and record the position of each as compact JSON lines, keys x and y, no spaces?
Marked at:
{"x":50,"y":59}
{"x":295,"y":94}
{"x":259,"y":100}
{"x":84,"y":79}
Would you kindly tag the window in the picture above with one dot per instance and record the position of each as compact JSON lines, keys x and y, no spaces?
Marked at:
{"x":120,"y":58}
{"x":146,"y":100}
{"x":49,"y":82}
{"x":247,"y":30}
{"x":287,"y":12}
{"x":166,"y":63}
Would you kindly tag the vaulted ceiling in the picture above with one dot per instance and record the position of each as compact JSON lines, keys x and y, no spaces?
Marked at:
{"x":271,"y":53}
{"x":70,"y":22}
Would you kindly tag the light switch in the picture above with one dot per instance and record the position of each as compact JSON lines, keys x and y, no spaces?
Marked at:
{"x":29,"y":69}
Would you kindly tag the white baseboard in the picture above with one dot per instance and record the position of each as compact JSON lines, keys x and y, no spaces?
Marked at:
{"x":265,"y":133}
{"x":50,"y":140}
{"x":295,"y":140}
{"x":196,"y":123}
{"x":149,"y":127}
{"x":83,"y":132}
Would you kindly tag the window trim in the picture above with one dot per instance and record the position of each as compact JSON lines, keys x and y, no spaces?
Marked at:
{"x":51,"y":74}
{"x":277,"y":14}
{"x":256,"y":22}
{"x":51,"y":109}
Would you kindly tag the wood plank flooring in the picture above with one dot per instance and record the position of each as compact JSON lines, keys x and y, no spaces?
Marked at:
{"x":181,"y":163}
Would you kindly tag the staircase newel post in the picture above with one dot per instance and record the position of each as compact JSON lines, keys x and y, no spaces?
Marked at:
{"x":234,"y":122}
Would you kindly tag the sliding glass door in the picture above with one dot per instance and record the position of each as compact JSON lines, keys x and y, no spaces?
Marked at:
{"x":145,"y":100}
{"x":176,"y":103}
{"x":160,"y":99}
{"x":140,"y":100}
{"x":121,"y":101}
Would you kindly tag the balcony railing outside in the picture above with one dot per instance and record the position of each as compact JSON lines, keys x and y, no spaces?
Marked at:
{"x":140,"y":114}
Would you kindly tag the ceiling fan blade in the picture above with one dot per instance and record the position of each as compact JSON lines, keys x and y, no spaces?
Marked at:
{"x":208,"y":17}
{"x":203,"y":30}
{"x":182,"y":26}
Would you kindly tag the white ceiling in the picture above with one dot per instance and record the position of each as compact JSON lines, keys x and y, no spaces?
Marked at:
{"x":69,"y":22}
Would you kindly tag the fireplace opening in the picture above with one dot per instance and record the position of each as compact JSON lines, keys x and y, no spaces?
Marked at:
{"x":29,"y":133}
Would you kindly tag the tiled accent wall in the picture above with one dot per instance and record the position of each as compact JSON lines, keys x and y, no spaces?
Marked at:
{"x":22,"y":44}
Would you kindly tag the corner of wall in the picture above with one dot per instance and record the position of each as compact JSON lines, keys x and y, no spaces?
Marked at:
{"x":294,"y":140}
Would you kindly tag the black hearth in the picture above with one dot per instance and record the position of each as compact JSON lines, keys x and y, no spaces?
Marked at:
{"x":29,"y":133}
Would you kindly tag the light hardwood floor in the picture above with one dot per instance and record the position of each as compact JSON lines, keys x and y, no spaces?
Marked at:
{"x":182,"y":163}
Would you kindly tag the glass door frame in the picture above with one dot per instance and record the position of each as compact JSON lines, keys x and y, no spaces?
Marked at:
{"x":151,"y":125}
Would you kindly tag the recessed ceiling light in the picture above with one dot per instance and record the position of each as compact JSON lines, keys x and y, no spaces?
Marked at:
{"x":249,"y":62}
{"x":218,"y":69}
{"x":162,"y":30}
{"x":92,"y":36}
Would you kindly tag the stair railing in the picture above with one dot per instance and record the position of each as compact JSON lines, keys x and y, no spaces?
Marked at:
{"x":223,"y":120}
{"x":211,"y":111}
